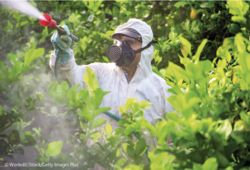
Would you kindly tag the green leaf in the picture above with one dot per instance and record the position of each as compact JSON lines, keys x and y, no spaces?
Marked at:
{"x":118,"y":131}
{"x":71,"y":94}
{"x":109,"y":128}
{"x":180,"y":3}
{"x":157,"y":58}
{"x":120,"y":162}
{"x":83,"y":137}
{"x":200,"y":48}
{"x":10,"y":25}
{"x":100,"y":110}
{"x":238,"y":7}
{"x":139,"y":113}
{"x":163,"y":128}
{"x":228,"y":43}
{"x":239,"y":19}
{"x":54,"y":148}
{"x":85,"y":114}
{"x":116,"y":11}
{"x":82,"y":95}
{"x":97,"y":97}
{"x":135,"y":107}
{"x":222,"y":160}
{"x":52,"y":88}
{"x":95,"y":136}
{"x":90,"y":79}
{"x":27,"y":140}
{"x":172,"y":35}
{"x":176,"y":73}
{"x":129,"y":103}
{"x":210,"y":164}
{"x":145,"y":104}
{"x":240,"y":43}
{"x":225,"y":129}
{"x":233,"y":7}
{"x":140,"y":146}
{"x":186,"y":44}
{"x":146,"y":125}
{"x":32,"y":54}
{"x":23,"y":23}
{"x":244,"y":117}
{"x":130,"y":150}
{"x":37,"y":131}
{"x":62,"y":88}
{"x":229,"y":168}
{"x":245,"y":8}
{"x":197,"y":166}
{"x":105,"y":59}
{"x":172,"y":116}
{"x":122,"y":109}
{"x":14,"y":137}
{"x":97,"y":122}
{"x":84,"y":126}
{"x":131,"y":128}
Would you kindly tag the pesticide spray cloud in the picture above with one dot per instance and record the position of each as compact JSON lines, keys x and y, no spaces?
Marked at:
{"x":24,"y":7}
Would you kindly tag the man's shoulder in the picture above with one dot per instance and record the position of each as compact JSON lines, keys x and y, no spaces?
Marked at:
{"x":103,"y":66}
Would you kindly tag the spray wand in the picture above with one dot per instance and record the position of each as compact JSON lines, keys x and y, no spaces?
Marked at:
{"x":52,"y":24}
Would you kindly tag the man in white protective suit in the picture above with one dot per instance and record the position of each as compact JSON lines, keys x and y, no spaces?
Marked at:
{"x":129,"y":75}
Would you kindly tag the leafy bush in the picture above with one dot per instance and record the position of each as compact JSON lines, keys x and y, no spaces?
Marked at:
{"x":203,"y":54}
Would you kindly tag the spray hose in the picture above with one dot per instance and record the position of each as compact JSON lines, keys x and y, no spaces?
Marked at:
{"x":117,"y":118}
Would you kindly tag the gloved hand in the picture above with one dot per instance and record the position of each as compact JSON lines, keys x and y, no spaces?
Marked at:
{"x":61,"y":44}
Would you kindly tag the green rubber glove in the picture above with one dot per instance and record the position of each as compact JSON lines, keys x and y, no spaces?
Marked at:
{"x":61,"y":44}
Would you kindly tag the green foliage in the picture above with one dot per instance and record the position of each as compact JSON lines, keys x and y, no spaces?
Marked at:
{"x":210,"y":91}
{"x":54,"y":149}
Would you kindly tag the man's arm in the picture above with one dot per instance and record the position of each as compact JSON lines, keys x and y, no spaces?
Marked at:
{"x":70,"y":71}
{"x":62,"y":60}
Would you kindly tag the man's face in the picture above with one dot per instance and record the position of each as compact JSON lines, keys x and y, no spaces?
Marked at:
{"x":135,"y":44}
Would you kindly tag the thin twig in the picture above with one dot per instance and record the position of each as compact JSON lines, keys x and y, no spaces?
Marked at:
{"x":6,"y":127}
{"x":224,"y":34}
{"x":208,"y":30}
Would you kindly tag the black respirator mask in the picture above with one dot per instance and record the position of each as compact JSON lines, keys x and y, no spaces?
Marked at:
{"x":124,"y":55}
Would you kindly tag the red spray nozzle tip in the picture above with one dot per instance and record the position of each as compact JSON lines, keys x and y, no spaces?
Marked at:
{"x":49,"y":22}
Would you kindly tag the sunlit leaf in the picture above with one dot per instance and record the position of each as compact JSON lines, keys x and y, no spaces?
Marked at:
{"x":97,"y":122}
{"x":54,"y":148}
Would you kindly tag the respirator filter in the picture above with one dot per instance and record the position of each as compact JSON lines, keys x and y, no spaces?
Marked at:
{"x":114,"y":53}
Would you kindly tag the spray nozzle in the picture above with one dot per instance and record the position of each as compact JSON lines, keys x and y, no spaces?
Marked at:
{"x":48,"y":22}
{"x":51,"y":23}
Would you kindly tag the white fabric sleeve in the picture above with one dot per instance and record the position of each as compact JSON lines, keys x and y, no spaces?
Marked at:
{"x":70,"y":72}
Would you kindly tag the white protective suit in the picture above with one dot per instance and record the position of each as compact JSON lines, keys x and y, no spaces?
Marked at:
{"x":145,"y":85}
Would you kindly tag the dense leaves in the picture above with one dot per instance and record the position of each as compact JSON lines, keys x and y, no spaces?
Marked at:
{"x":203,"y":55}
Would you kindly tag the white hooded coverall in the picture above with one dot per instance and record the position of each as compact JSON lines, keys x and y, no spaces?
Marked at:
{"x":145,"y":85}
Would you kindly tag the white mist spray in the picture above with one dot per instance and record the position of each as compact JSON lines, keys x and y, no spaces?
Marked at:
{"x":24,"y":7}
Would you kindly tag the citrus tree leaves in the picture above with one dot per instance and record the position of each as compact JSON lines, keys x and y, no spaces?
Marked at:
{"x":14,"y":137}
{"x":210,"y":164}
{"x":134,"y":108}
{"x":210,"y":95}
{"x":90,"y":80}
{"x":31,"y":55}
{"x":97,"y":122}
{"x":54,"y":148}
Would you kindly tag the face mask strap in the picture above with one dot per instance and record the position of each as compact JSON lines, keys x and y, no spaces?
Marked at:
{"x":147,"y":46}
